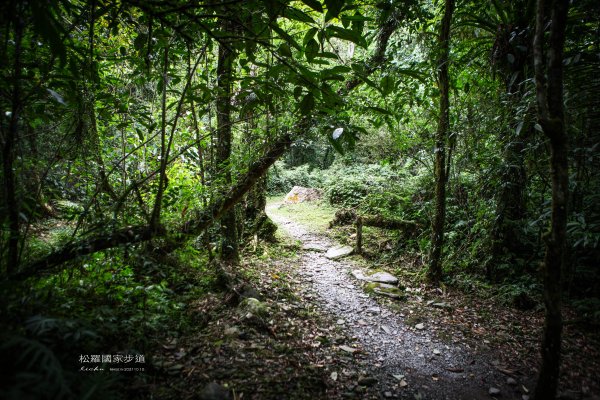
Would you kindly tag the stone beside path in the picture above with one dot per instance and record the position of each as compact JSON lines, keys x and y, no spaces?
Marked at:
{"x":381,"y":277}
{"x":336,"y":252}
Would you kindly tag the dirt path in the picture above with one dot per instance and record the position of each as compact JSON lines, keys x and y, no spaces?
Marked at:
{"x":393,"y":359}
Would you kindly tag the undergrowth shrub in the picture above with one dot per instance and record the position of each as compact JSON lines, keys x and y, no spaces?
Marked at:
{"x":281,"y":179}
{"x":348,"y":186}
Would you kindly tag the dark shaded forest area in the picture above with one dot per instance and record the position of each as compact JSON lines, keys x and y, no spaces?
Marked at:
{"x":440,"y":236}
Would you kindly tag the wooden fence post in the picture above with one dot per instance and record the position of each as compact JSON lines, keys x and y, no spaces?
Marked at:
{"x":359,"y":224}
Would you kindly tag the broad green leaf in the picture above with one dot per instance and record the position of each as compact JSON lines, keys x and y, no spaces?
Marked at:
{"x":387,"y":85}
{"x":307,"y":104}
{"x":295,"y":14}
{"x":340,"y":69}
{"x":333,"y":8}
{"x":328,"y":54}
{"x":346,"y":34}
{"x":284,"y":35}
{"x":310,"y":34}
{"x":284,"y":50}
{"x":311,"y":50}
{"x":379,"y":110}
{"x":297,"y":92}
{"x":330,"y":97}
{"x":314,"y":4}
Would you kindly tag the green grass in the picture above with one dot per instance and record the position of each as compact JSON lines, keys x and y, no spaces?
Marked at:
{"x":313,"y":215}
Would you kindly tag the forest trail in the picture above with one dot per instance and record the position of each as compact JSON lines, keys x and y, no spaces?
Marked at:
{"x":393,"y":358}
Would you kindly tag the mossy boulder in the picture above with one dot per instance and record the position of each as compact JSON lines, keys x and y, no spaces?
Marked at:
{"x":384,"y":289}
{"x":255,"y":307}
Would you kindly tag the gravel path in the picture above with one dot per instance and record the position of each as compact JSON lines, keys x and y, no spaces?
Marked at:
{"x":398,"y":361}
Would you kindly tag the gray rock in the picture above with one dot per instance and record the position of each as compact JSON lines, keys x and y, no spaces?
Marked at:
{"x":314,"y":247}
{"x":358,"y":274}
{"x":380,"y":277}
{"x":384,"y":289}
{"x":214,"y":391}
{"x":339,"y":252}
{"x":383,"y":277}
{"x":494,"y":391}
{"x":511,"y":381}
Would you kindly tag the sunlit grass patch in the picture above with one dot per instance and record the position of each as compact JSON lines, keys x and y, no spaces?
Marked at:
{"x":313,"y":215}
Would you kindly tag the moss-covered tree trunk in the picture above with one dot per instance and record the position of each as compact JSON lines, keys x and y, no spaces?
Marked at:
{"x":548,"y":57}
{"x":229,"y":242}
{"x":441,"y":138}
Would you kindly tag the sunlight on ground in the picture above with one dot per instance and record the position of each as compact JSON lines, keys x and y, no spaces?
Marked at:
{"x":314,"y":215}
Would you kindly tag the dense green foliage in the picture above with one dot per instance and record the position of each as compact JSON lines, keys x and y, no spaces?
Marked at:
{"x":111,"y":135}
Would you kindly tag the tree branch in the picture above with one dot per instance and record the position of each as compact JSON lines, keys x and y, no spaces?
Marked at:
{"x":142,"y":233}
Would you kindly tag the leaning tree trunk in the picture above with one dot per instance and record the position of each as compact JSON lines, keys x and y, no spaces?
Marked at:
{"x":437,"y":239}
{"x":142,"y":233}
{"x":229,"y":243}
{"x":550,"y":113}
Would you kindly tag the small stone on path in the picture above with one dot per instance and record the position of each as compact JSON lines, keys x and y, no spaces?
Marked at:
{"x":339,"y":252}
{"x":347,"y":348}
{"x":494,"y":391}
{"x":313,"y":247}
{"x":420,"y":326}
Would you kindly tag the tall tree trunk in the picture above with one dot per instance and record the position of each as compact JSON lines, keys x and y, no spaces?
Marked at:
{"x":8,"y":154}
{"x":229,"y":243}
{"x":162,"y":179}
{"x":437,"y":239}
{"x":89,"y":109}
{"x":511,"y":57}
{"x":550,"y":113}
